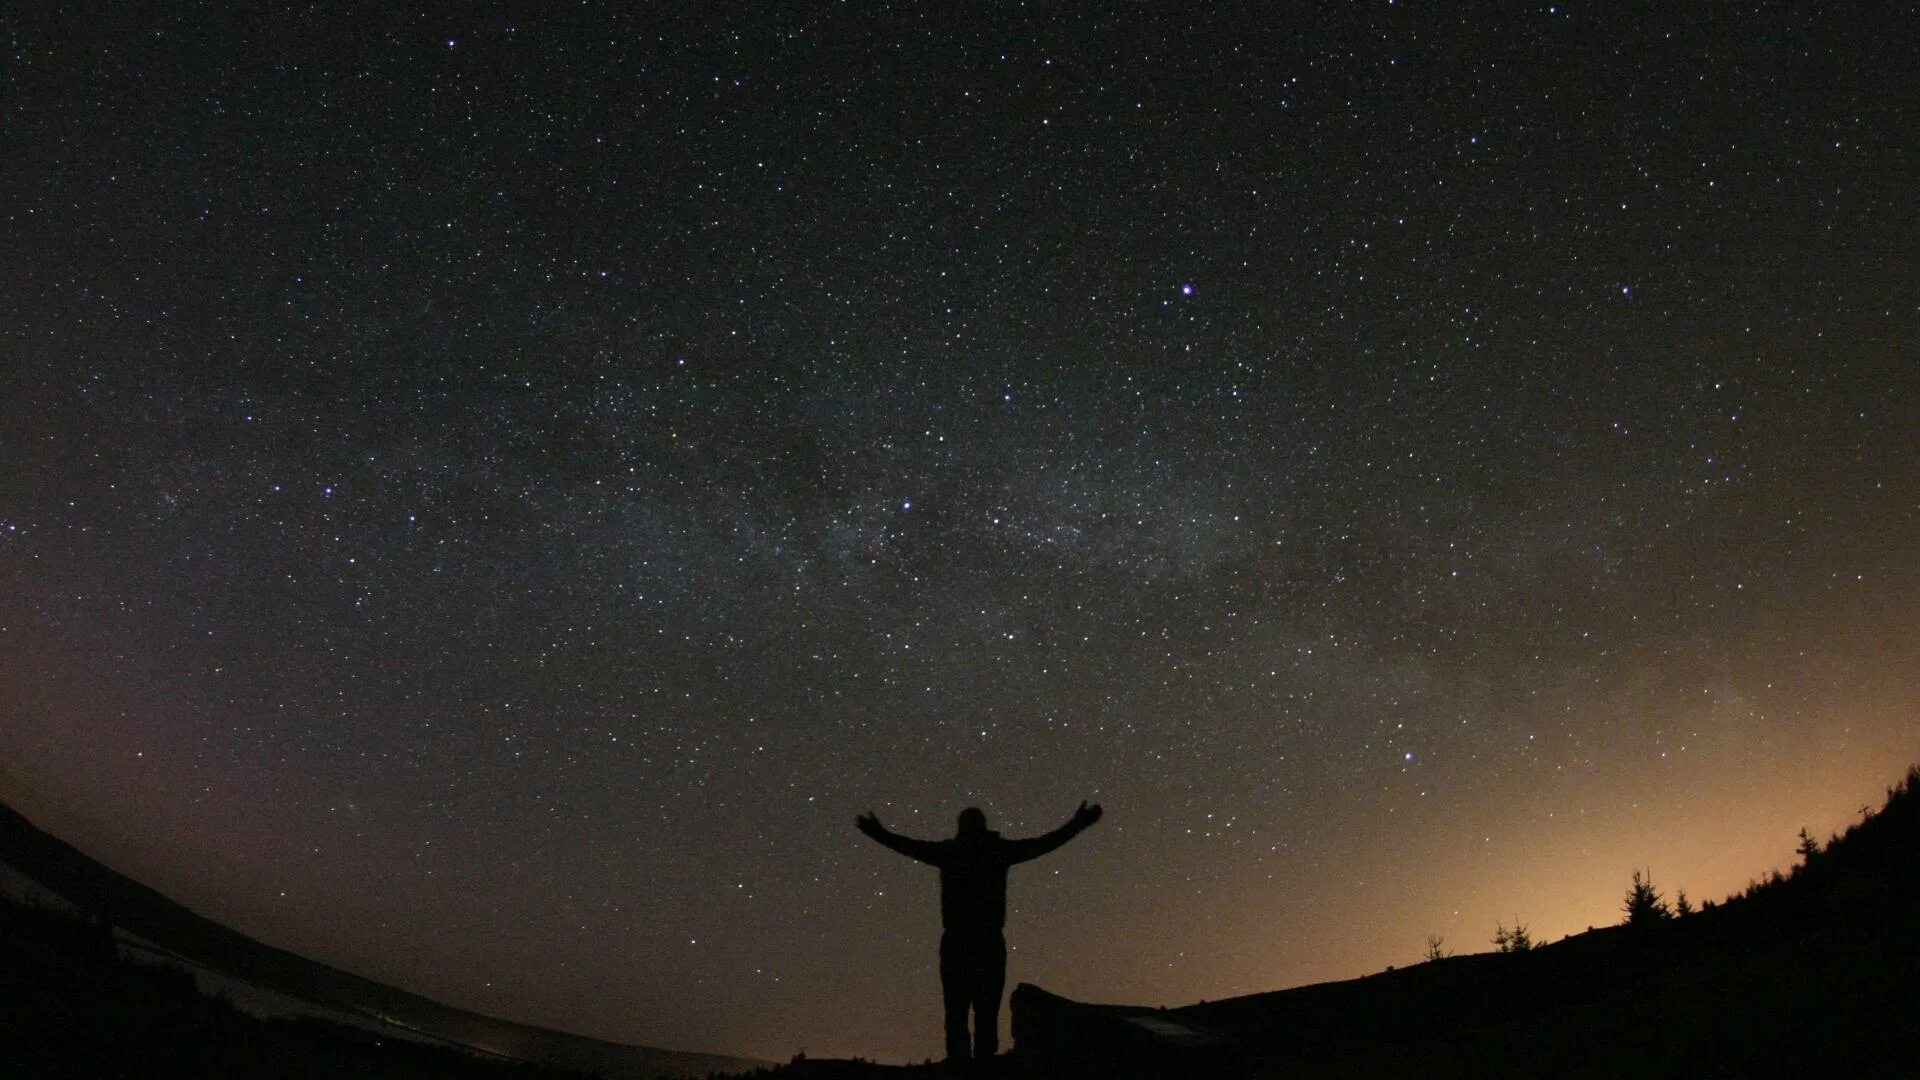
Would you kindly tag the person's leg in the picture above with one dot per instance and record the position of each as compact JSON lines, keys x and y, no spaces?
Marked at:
{"x":954,"y":994}
{"x":989,"y":979}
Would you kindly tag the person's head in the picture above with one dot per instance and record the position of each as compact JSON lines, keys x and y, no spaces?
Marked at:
{"x":973,"y":820}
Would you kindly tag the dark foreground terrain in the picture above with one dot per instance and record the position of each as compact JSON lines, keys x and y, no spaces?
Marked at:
{"x":72,"y":1007}
{"x":101,"y":976}
{"x":1813,"y":973}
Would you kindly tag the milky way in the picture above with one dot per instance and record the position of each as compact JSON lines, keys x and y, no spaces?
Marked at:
{"x":486,"y":503}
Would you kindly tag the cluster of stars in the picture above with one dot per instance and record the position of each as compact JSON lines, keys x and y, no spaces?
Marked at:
{"x":488,"y":498}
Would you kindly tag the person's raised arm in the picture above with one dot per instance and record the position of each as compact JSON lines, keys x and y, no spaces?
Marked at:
{"x":1034,"y":847}
{"x":926,"y":851}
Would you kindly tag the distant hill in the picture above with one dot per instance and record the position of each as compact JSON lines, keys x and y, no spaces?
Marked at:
{"x":72,"y":1007}
{"x":37,"y":866}
{"x":1815,"y":973}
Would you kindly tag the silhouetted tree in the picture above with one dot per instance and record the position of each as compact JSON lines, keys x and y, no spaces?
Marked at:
{"x":1434,"y":951}
{"x":1809,"y":848}
{"x":1681,"y":905}
{"x":1644,"y":903}
{"x":1514,"y":940}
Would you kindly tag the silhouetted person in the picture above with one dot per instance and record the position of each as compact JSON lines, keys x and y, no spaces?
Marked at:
{"x":973,"y":911}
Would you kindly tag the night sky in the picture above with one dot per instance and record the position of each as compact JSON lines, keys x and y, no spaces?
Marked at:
{"x":486,"y":499}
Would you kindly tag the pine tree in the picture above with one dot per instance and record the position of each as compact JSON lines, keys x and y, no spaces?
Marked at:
{"x":1514,"y":940}
{"x":1809,"y":848}
{"x":1644,"y":904}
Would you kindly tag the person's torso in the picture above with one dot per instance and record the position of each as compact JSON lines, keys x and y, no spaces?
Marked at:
{"x":973,"y":885}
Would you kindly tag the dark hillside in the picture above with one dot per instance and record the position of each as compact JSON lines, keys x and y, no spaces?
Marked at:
{"x":1809,"y":973}
{"x":111,"y":898}
{"x":70,"y":1007}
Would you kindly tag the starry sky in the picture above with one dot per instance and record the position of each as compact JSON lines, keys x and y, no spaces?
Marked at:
{"x":487,"y":495}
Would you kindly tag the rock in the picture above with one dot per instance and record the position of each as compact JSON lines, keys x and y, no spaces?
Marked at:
{"x":1068,"y":1038}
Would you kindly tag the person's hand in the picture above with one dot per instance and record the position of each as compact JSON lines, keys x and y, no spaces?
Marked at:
{"x":869,"y":823}
{"x":1086,"y":815}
